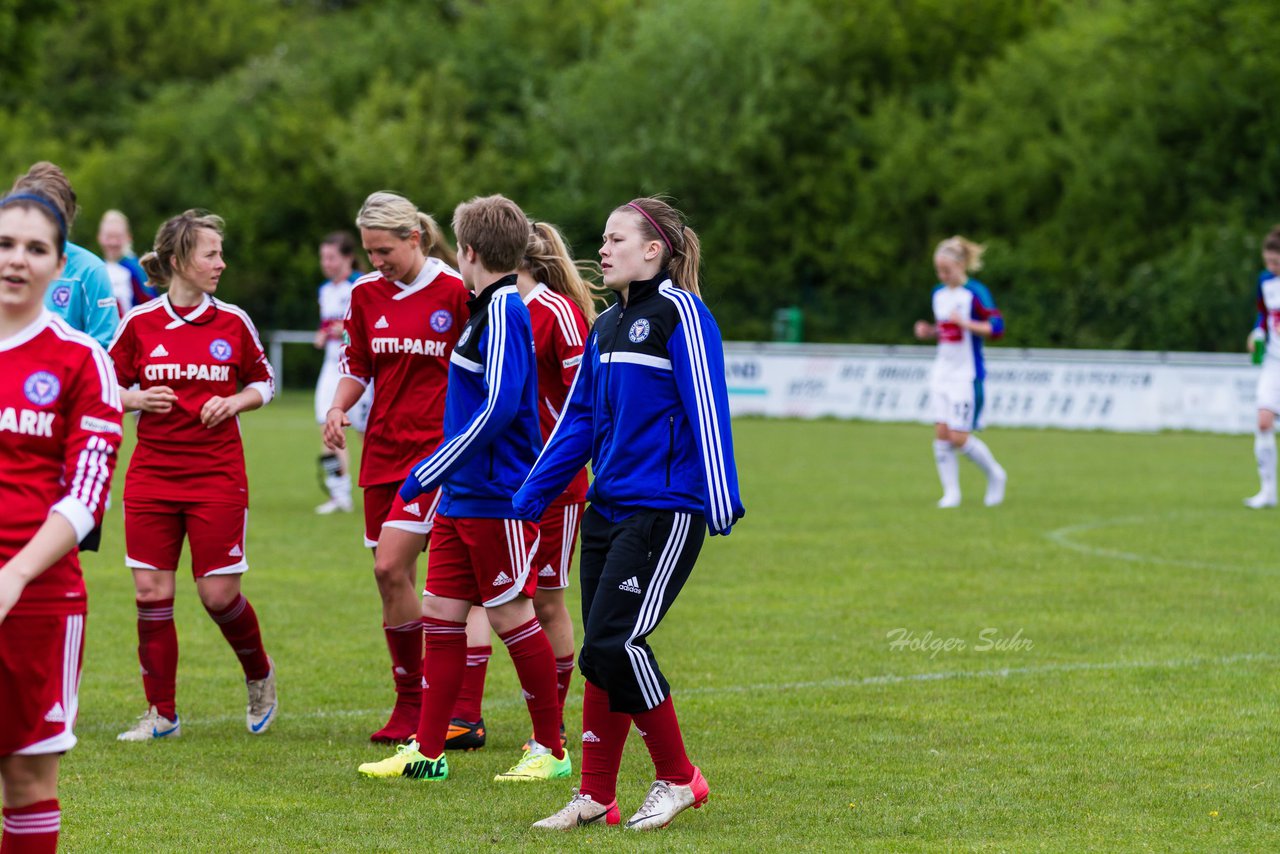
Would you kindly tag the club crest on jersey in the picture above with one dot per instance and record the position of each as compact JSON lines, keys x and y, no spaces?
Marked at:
{"x":638,"y":331}
{"x":220,"y":349}
{"x":41,"y":388}
{"x":61,"y":296}
{"x":441,"y":320}
{"x":464,"y":337}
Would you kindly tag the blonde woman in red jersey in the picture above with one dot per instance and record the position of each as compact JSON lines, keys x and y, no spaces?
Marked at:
{"x":59,"y":433}
{"x":197,"y":363}
{"x":560,"y":306}
{"x":402,"y":324}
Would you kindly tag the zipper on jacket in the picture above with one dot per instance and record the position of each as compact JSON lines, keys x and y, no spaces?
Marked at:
{"x":671,"y":444}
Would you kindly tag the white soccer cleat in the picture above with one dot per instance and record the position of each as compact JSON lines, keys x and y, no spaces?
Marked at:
{"x":1260,"y":501}
{"x":995,"y":488}
{"x":151,"y":726}
{"x":946,"y":502}
{"x":666,"y":800}
{"x":261,"y":711}
{"x":330,"y":507}
{"x":581,"y":811}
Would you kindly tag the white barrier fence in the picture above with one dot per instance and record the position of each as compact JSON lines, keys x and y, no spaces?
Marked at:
{"x":1074,"y":389}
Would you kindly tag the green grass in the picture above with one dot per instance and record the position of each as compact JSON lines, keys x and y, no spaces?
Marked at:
{"x":1141,"y":717}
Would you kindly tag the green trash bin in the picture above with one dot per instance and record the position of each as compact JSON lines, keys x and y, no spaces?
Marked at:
{"x":788,"y":324}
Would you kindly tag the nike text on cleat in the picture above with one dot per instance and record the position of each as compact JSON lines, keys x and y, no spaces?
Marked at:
{"x":667,"y":800}
{"x":1260,"y":501}
{"x":581,"y":811}
{"x":408,"y":762}
{"x":464,"y":735}
{"x":537,"y":764}
{"x":995,"y":488}
{"x":261,"y":711}
{"x":150,"y":726}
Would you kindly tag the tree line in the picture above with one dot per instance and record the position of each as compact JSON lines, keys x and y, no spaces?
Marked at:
{"x":1117,"y":156}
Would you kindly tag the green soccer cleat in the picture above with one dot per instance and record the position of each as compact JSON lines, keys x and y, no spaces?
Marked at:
{"x":537,"y":764}
{"x":408,"y":762}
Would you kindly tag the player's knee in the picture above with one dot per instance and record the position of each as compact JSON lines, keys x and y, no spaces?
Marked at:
{"x":390,"y":572}
{"x":549,"y":610}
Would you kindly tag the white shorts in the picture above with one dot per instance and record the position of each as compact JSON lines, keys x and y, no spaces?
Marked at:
{"x":327,"y":387}
{"x":957,"y":404}
{"x":1269,"y":385}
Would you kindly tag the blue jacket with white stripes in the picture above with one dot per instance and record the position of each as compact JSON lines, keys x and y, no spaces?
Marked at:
{"x":491,"y":433}
{"x":650,"y":409}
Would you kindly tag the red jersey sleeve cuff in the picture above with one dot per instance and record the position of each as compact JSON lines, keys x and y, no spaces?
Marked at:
{"x":77,"y":514}
{"x":364,"y":382}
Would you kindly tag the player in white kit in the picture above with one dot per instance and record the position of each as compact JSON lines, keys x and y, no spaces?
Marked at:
{"x":337,"y":262}
{"x":1264,"y":441}
{"x":964,"y":314}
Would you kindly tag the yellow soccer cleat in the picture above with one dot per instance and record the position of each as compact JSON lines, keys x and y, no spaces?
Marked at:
{"x":408,"y":762}
{"x":537,"y":764}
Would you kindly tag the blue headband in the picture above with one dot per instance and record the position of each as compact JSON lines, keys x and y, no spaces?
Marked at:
{"x":48,"y":206}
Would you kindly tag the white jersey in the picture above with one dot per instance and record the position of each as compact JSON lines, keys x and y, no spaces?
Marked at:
{"x":1269,"y":316}
{"x":334,"y":299}
{"x":959,"y":358}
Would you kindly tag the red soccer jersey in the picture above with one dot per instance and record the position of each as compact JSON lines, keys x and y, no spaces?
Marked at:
{"x":559,"y":330}
{"x":211,"y":350}
{"x":400,"y":337}
{"x":60,"y":430}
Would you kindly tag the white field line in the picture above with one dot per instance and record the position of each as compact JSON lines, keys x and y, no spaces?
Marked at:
{"x":1063,"y":537}
{"x":818,"y":685}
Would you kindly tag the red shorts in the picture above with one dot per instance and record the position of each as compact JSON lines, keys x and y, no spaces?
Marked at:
{"x":557,"y":534}
{"x":384,"y":506}
{"x":483,"y":561}
{"x":153,"y":532}
{"x":40,"y":659}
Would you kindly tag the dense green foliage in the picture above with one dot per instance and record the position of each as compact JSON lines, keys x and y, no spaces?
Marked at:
{"x":1117,"y":155}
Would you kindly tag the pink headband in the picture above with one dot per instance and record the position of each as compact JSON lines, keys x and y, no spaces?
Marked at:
{"x":656,"y":227}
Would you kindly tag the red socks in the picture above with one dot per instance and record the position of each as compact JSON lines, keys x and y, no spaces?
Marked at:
{"x":564,"y":675}
{"x":239,"y":626}
{"x":158,"y":654}
{"x":32,"y":829}
{"x":662,"y":736}
{"x":445,"y":659}
{"x":471,"y":695}
{"x":405,"y":644}
{"x":604,"y":734}
{"x":536,"y":668}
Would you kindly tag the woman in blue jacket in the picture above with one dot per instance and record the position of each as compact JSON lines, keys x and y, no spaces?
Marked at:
{"x":649,"y":408}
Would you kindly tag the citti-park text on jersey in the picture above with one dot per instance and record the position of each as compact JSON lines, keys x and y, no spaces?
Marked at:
{"x":412,"y":346}
{"x":26,"y":422}
{"x":174,"y":371}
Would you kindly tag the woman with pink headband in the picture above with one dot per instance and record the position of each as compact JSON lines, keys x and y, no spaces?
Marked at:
{"x":649,"y":409}
{"x":964,"y":314}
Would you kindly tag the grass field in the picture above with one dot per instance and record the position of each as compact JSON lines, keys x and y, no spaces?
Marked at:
{"x":1132,"y":706}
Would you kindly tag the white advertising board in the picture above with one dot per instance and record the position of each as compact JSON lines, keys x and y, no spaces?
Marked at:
{"x":1074,"y":389}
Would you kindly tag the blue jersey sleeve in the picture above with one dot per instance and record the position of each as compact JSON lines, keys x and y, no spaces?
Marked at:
{"x":697,"y":361}
{"x":567,"y":449}
{"x":507,"y":344}
{"x":984,"y":308}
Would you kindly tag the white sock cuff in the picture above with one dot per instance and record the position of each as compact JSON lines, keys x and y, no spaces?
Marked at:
{"x":1264,"y":439}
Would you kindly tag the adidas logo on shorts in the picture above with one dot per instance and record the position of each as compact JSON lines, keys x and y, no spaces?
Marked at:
{"x":56,"y":715}
{"x":502,"y":578}
{"x":159,"y":352}
{"x":631,"y":585}
{"x":382,"y":323}
{"x":546,"y":572}
{"x":591,"y":737}
{"x":235,"y":551}
{"x":413,"y":509}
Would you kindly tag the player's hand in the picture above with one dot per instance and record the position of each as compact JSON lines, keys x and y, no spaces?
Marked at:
{"x":11,"y":587}
{"x":322,"y":337}
{"x":158,"y":398}
{"x":335,"y":424}
{"x":410,"y":489}
{"x":218,"y":409}
{"x":924,"y":330}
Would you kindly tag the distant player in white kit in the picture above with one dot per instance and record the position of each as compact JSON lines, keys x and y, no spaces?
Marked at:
{"x":1268,"y":325}
{"x":338,"y":263}
{"x":964,"y":314}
